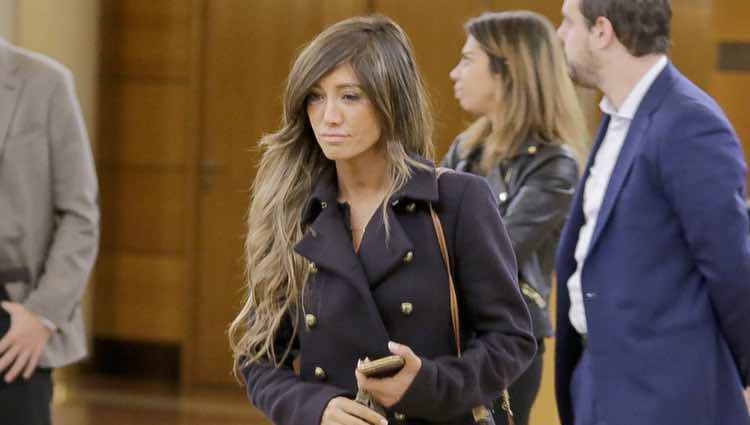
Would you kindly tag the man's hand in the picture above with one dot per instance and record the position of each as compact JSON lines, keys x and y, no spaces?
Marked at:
{"x":22,"y":345}
{"x":747,"y":398}
{"x":388,"y":391}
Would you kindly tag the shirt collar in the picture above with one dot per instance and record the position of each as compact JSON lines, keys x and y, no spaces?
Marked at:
{"x":631,"y":103}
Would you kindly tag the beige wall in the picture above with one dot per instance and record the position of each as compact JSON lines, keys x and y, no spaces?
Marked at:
{"x":7,"y":18}
{"x":66,"y":31}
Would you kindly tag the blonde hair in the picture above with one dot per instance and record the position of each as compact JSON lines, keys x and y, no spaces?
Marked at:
{"x":380,"y":54}
{"x":538,"y":99}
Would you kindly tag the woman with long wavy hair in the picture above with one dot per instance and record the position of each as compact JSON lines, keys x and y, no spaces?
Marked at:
{"x":343,"y":263}
{"x":513,"y":75}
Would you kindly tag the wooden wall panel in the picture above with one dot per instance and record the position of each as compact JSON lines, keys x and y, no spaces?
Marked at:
{"x":145,"y":124}
{"x":548,"y":8}
{"x":337,"y":10}
{"x":732,"y":88}
{"x":145,"y":38}
{"x":145,"y":211}
{"x":437,"y":48}
{"x":693,"y":44}
{"x":731,"y":91}
{"x":152,"y":290}
{"x":146,"y":169}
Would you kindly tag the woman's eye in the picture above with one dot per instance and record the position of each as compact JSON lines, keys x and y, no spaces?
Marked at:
{"x":314,"y":98}
{"x":351,"y":97}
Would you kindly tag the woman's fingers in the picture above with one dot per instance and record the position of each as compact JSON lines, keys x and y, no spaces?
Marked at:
{"x":343,"y":411}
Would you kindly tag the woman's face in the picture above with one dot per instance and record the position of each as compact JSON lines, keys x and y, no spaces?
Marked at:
{"x":474,"y":85}
{"x":343,"y":118}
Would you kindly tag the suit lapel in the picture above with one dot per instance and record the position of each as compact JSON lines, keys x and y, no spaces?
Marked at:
{"x":569,"y":236}
{"x":630,"y":147}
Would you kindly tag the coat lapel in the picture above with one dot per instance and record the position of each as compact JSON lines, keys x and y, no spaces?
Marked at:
{"x":9,"y":90}
{"x":380,"y":256}
{"x":328,"y":244}
{"x":630,"y":147}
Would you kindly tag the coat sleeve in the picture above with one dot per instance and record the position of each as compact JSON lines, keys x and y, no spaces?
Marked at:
{"x":501,"y":345}
{"x":703,"y":175}
{"x":541,"y":204}
{"x":281,"y":394}
{"x":75,"y":240}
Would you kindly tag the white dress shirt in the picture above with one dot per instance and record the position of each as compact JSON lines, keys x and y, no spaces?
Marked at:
{"x":598,"y":180}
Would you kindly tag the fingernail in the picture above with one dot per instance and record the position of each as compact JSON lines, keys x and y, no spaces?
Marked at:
{"x":367,"y":359}
{"x":392,"y":345}
{"x":383,"y":422}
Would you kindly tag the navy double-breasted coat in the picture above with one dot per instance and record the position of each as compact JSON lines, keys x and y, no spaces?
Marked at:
{"x":396,"y":288}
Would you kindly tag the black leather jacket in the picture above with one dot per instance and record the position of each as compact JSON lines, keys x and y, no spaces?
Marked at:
{"x":533,"y":191}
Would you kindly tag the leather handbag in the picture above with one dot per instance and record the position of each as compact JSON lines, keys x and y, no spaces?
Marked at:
{"x":482,"y":415}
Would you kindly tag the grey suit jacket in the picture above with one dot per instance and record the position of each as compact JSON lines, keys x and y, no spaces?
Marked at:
{"x":49,"y":217}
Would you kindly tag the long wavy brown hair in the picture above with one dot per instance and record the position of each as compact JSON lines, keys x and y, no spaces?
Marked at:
{"x":381,"y":56}
{"x":538,"y":97}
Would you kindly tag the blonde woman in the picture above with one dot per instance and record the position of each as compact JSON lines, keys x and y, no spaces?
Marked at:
{"x":512,"y":75}
{"x":342,"y":257}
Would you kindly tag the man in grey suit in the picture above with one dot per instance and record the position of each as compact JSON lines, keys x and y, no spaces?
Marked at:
{"x":49,"y":230}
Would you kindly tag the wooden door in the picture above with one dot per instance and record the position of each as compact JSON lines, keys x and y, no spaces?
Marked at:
{"x":248,"y":49}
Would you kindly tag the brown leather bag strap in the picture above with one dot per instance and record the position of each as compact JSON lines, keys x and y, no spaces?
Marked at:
{"x":481,"y":414}
{"x":455,"y":320}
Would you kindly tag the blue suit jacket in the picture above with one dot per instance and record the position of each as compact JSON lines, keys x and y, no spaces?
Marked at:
{"x":667,"y":276}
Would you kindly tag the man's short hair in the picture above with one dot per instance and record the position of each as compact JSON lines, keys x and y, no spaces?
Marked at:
{"x":642,"y":26}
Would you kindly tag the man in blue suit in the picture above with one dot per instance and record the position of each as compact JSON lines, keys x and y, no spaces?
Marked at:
{"x":654,"y":262}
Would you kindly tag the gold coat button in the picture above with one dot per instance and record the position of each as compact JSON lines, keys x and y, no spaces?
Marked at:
{"x":503,"y":196}
{"x":313,"y":268}
{"x":411,"y":207}
{"x":408,"y":257}
{"x":323,"y":204}
{"x":399,"y":416}
{"x":532,"y":150}
{"x":320,"y":373}
{"x":311,"y":320}
{"x":407,"y":308}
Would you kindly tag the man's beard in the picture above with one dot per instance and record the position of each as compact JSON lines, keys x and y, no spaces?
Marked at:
{"x":584,"y":73}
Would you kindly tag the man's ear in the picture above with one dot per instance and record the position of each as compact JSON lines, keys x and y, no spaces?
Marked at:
{"x":603,"y":33}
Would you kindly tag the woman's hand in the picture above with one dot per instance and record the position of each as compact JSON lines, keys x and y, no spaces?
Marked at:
{"x":747,"y":398}
{"x":344,"y":411}
{"x":388,"y":391}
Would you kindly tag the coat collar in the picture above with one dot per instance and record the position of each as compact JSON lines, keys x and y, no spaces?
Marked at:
{"x":327,"y":241}
{"x":422,"y":186}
